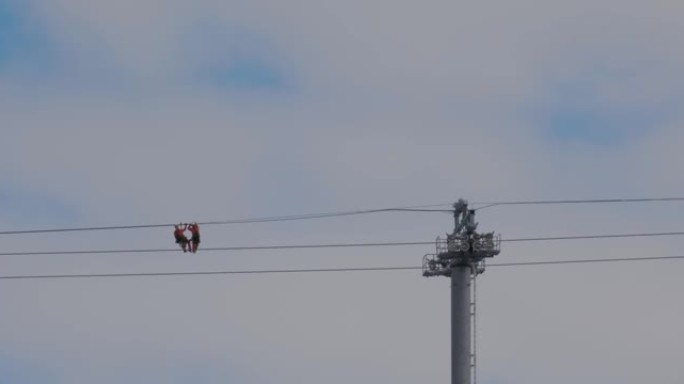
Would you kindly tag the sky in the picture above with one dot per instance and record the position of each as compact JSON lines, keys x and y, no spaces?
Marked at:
{"x":150,"y":111}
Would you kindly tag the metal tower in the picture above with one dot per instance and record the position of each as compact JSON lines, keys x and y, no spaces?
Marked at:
{"x":461,"y":256}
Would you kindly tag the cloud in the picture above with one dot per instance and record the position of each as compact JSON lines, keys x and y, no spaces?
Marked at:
{"x":162,"y":112}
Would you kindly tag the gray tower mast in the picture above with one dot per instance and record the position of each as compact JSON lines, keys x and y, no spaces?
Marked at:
{"x":461,"y":257}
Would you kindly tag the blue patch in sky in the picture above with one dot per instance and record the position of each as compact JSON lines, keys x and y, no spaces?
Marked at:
{"x":575,"y":113}
{"x":8,"y":26}
{"x":595,"y":125}
{"x":226,"y":57}
{"x":189,"y":371}
{"x":16,"y":371}
{"x":22,"y":40}
{"x":244,"y":75}
{"x":26,"y":206}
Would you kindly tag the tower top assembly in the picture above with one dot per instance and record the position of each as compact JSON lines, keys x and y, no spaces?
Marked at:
{"x":465,"y":246}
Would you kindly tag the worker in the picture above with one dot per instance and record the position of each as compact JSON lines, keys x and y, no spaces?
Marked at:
{"x":179,"y":235}
{"x":195,"y":236}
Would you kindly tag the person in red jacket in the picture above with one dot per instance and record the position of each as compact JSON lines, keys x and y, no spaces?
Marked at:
{"x":195,"y":236}
{"x":179,"y":235}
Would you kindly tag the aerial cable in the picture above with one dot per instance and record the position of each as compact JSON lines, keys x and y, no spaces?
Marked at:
{"x":581,"y":201}
{"x":585,"y":261}
{"x":214,"y":249}
{"x":309,"y":216}
{"x":319,"y":270}
{"x":589,"y":237}
{"x":201,"y":273}
{"x":333,"y":245}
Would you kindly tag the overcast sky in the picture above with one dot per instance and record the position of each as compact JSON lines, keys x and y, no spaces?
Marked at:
{"x":158,"y":111}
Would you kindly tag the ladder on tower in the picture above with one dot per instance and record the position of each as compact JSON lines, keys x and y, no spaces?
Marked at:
{"x":473,"y":325}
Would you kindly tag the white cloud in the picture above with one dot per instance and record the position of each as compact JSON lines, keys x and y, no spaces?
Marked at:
{"x":396,"y":103}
